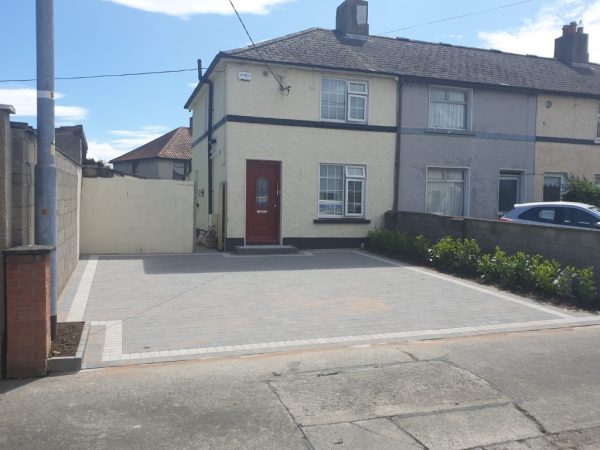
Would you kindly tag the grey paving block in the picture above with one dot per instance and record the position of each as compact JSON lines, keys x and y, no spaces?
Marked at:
{"x":360,"y":394}
{"x":378,"y":434}
{"x":470,"y":428}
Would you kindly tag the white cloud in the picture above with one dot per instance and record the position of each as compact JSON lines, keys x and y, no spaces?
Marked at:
{"x":25,"y":102}
{"x":185,"y":8}
{"x":102,"y":151}
{"x":126,"y":141}
{"x":536,"y":35}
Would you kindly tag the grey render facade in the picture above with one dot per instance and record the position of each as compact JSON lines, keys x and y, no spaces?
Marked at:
{"x":498,"y":144}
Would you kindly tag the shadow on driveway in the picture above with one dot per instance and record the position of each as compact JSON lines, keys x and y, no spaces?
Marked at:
{"x":224,"y":262}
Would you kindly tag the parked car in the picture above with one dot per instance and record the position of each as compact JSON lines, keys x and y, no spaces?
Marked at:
{"x":562,"y":214}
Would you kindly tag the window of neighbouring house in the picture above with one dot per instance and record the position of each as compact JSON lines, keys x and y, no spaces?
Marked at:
{"x":597,"y":180}
{"x":341,"y":190}
{"x":448,"y":108}
{"x":554,"y":186}
{"x":343,"y":100}
{"x":446,"y":191}
{"x":134,"y":167}
{"x":179,"y":171}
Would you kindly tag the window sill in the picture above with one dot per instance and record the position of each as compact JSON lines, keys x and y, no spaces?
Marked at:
{"x":343,"y":220}
{"x":445,"y":131}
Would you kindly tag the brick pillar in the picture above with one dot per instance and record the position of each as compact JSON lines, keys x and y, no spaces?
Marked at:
{"x":27,"y":310}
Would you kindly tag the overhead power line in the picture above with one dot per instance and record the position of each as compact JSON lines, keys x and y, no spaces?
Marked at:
{"x":446,"y":19}
{"x":108,"y":75}
{"x":281,"y":85}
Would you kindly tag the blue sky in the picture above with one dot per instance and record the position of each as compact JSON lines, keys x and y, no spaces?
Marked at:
{"x":118,"y":36}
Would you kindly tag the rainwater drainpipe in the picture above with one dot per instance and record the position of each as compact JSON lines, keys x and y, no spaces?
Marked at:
{"x":45,"y":169}
{"x":398,"y":143}
{"x":210,"y":138}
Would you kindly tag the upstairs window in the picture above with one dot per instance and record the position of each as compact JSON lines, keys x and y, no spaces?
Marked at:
{"x":448,"y":108}
{"x":343,"y":100}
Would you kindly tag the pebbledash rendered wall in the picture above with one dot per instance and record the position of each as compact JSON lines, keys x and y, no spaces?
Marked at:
{"x":567,"y":245}
{"x":129,"y":216}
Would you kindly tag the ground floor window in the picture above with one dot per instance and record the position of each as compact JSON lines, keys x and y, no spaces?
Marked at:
{"x":446,"y":191}
{"x":342,"y":190}
{"x":597,"y":180}
{"x":509,"y":191}
{"x":554,"y":186}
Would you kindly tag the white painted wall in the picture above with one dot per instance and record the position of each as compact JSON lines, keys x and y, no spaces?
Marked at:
{"x":128,"y":215}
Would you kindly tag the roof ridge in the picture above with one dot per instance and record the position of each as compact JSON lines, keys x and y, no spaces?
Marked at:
{"x":174,"y":134}
{"x":271,"y":41}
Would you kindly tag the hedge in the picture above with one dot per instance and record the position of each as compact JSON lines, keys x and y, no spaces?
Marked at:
{"x":518,"y":272}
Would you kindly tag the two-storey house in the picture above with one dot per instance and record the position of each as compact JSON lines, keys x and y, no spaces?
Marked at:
{"x":568,"y":124}
{"x":310,"y":138}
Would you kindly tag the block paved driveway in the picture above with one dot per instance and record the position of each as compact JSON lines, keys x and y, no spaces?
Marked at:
{"x":164,"y":308}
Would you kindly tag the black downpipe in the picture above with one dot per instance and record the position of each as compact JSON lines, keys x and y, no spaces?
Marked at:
{"x":210,"y":144}
{"x":398,"y":144}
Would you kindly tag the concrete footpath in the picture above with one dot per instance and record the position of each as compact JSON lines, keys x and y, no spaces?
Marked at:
{"x":528,"y":390}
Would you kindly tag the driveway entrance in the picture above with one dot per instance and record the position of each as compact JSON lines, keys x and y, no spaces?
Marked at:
{"x":164,"y":308}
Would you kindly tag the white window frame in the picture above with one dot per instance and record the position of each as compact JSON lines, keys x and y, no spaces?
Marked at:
{"x":466,"y":187}
{"x":468,"y":103}
{"x":346,"y":179}
{"x":349,"y":94}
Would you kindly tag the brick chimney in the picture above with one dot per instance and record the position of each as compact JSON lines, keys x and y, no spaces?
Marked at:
{"x":572,"y":47}
{"x":352,"y":18}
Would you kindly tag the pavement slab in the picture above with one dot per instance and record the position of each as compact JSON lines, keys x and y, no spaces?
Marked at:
{"x":456,"y":430}
{"x":380,"y":434}
{"x":342,"y":396}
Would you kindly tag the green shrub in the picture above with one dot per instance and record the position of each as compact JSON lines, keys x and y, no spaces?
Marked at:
{"x":421,"y":246}
{"x":546,"y":273}
{"x":399,"y":244}
{"x":456,"y":255}
{"x":578,"y":284}
{"x":582,"y":190}
{"x":532,"y":273}
{"x":491,"y":267}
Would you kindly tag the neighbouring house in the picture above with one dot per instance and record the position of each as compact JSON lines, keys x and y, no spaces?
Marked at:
{"x":568,"y":125}
{"x":309,"y":138}
{"x":167,"y":157}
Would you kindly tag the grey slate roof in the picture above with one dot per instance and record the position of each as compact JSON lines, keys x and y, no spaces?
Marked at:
{"x":322,"y":48}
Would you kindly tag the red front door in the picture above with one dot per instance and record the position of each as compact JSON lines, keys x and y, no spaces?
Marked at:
{"x":262,"y":202}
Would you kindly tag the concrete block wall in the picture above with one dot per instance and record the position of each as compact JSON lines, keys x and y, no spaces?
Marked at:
{"x":68,"y":196}
{"x":577,"y":247}
{"x":23,"y":189}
